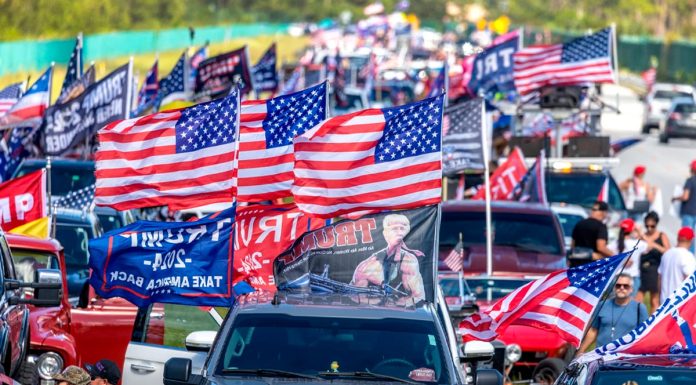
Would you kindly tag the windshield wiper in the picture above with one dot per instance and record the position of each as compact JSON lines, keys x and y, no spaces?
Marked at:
{"x":365,"y":375}
{"x":268,"y":373}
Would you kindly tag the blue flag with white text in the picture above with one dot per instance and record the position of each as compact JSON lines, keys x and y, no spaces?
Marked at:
{"x":492,"y":70}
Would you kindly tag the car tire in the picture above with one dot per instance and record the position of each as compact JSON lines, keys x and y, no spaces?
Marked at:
{"x":27,"y":373}
{"x":548,"y":370}
{"x":664,"y":138}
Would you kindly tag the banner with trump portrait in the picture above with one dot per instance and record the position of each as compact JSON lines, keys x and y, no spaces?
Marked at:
{"x":389,"y":255}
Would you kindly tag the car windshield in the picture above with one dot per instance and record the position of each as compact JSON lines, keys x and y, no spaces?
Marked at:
{"x":28,"y":261}
{"x":685,"y":108}
{"x":581,"y":188}
{"x":665,"y":94}
{"x":671,"y":376}
{"x":451,"y":287}
{"x":110,"y":222}
{"x":493,"y":289}
{"x":525,"y":231}
{"x":74,"y":239}
{"x":65,"y":179}
{"x":568,"y":222}
{"x":409,"y":350}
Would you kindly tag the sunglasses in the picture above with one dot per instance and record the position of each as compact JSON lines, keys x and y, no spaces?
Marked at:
{"x":622,"y":286}
{"x":650,"y":226}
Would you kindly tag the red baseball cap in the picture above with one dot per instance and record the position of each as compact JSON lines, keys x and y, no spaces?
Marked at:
{"x":685,"y":233}
{"x":640,"y":169}
{"x":627,"y":225}
{"x":693,"y":165}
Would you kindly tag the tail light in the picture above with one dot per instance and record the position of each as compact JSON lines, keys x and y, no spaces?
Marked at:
{"x":675,"y":116}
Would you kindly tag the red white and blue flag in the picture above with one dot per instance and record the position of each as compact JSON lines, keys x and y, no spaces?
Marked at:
{"x":375,"y":159}
{"x":532,"y":187}
{"x":74,"y":70}
{"x":148,"y":92}
{"x":439,"y":83}
{"x":585,"y":59}
{"x":180,"y":158}
{"x":671,"y":329}
{"x":30,"y":108}
{"x":265,"y":73}
{"x":9,"y":96}
{"x":561,"y":302}
{"x":603,"y":195}
{"x":266,"y":131}
{"x":200,"y":55}
{"x":295,"y":82}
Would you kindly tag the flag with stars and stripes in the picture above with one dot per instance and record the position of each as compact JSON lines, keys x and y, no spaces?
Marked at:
{"x":295,"y":82}
{"x":9,"y":96}
{"x":265,"y":73}
{"x":585,"y":59}
{"x":15,"y":150}
{"x":77,"y":199}
{"x":375,"y":159}
{"x":173,"y":88}
{"x":180,"y":158}
{"x":532,"y":186}
{"x":148,"y":92}
{"x":266,"y":131}
{"x":462,"y":141}
{"x":79,"y":86}
{"x":196,"y":59}
{"x":561,"y":302}
{"x":74,"y":70}
{"x":30,"y":108}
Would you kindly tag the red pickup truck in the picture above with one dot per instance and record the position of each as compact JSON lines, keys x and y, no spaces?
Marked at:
{"x":72,"y":333}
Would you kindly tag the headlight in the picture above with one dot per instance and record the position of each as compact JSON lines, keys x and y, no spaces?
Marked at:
{"x":513,"y":353}
{"x":48,"y":365}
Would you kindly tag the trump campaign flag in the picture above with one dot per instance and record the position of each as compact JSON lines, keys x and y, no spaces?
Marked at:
{"x":585,"y":59}
{"x":23,"y":199}
{"x":181,"y":158}
{"x":671,"y":329}
{"x":506,"y":177}
{"x":217,"y":75}
{"x":266,"y":131}
{"x":186,"y":263}
{"x":491,"y":71}
{"x":30,"y":108}
{"x":561,"y":302}
{"x":265,"y":73}
{"x":375,"y":159}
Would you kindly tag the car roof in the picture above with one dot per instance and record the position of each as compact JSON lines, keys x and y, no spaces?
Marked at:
{"x":327,"y":305}
{"x":672,"y":87}
{"x":62,"y":162}
{"x":650,"y":361}
{"x":16,"y":241}
{"x":568,"y":209}
{"x":496,"y":206}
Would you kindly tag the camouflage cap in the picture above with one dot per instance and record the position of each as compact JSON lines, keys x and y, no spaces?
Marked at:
{"x":75,"y":375}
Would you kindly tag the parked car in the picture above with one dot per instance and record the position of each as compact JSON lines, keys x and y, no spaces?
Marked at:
{"x":327,"y":339}
{"x":680,"y":121}
{"x":649,"y":369}
{"x":15,"y":307}
{"x":64,"y":335}
{"x":66,"y":174}
{"x":568,"y":217}
{"x":111,"y":219}
{"x":527,"y":244}
{"x":658,"y":101}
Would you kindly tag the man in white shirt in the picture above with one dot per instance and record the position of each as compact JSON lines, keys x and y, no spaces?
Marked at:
{"x":677,"y":264}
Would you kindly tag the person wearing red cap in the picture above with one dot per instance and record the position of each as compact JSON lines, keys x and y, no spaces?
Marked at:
{"x":688,"y":202}
{"x":636,"y":189}
{"x":677,"y":264}
{"x":629,"y":238}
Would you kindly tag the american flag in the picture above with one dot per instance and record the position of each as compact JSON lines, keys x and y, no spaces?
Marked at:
{"x":200,"y":55}
{"x":16,"y":150}
{"x":585,"y":59}
{"x":9,"y":96}
{"x":265,"y":73}
{"x":561,"y":302}
{"x":29,"y":109}
{"x":439,"y":82}
{"x":74,"y":71}
{"x":173,"y":87}
{"x":455,"y":259}
{"x":148,"y":92}
{"x":181,"y":158}
{"x":372,"y":159}
{"x":462,"y":142}
{"x":266,"y":131}
{"x":77,"y":199}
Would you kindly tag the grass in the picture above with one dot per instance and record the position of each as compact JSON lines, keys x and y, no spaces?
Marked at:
{"x":180,"y":321}
{"x":287,"y":46}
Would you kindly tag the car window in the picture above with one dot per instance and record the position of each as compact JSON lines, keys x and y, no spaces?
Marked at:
{"x":28,"y":261}
{"x":493,"y":289}
{"x":169,"y":324}
{"x":532,"y":232}
{"x":71,"y":179}
{"x":568,"y":222}
{"x":665,"y":94}
{"x":581,"y":189}
{"x":671,"y":376}
{"x":315,"y":345}
{"x":75,"y":241}
{"x":110,"y":222}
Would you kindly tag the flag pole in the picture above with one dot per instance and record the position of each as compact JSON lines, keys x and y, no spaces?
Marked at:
{"x":615,"y":43}
{"x":48,"y":185}
{"x":487,"y":185}
{"x":78,"y":71}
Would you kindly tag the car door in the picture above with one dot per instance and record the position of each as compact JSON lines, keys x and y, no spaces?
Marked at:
{"x":16,"y":316}
{"x":161,"y":335}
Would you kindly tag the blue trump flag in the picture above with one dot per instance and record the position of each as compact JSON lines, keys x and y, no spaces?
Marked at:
{"x":491,"y":71}
{"x":186,"y":263}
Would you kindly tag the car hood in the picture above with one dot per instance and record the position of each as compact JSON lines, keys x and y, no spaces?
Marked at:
{"x":294,"y":381}
{"x":506,"y":260}
{"x":531,"y":339}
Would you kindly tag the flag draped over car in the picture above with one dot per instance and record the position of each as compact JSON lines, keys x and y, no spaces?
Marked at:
{"x":585,"y":59}
{"x":372,"y":159}
{"x":180,"y":158}
{"x":561,"y":302}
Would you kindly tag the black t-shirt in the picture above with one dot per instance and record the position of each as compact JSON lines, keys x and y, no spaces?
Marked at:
{"x":689,"y":207}
{"x":588,"y":231}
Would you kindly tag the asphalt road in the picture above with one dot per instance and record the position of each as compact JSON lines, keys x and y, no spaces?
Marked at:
{"x":667,"y":164}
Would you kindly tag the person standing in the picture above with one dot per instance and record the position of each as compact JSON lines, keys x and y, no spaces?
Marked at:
{"x":589,"y":237}
{"x":688,"y":202}
{"x":657,"y":243}
{"x":636,"y":189}
{"x":629,"y":237}
{"x":616,"y":317}
{"x":677,"y":264}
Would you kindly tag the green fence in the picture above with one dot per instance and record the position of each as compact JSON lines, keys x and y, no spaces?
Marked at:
{"x":27,"y":55}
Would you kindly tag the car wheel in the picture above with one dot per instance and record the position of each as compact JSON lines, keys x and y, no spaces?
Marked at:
{"x":27,"y":373}
{"x":548,"y":371}
{"x":664,"y":138}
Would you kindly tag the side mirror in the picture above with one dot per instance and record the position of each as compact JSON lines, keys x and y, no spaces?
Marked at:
{"x":177,"y":371}
{"x":476,"y":351}
{"x":47,"y":289}
{"x":48,"y":276}
{"x":200,"y":341}
{"x":488,"y":377}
